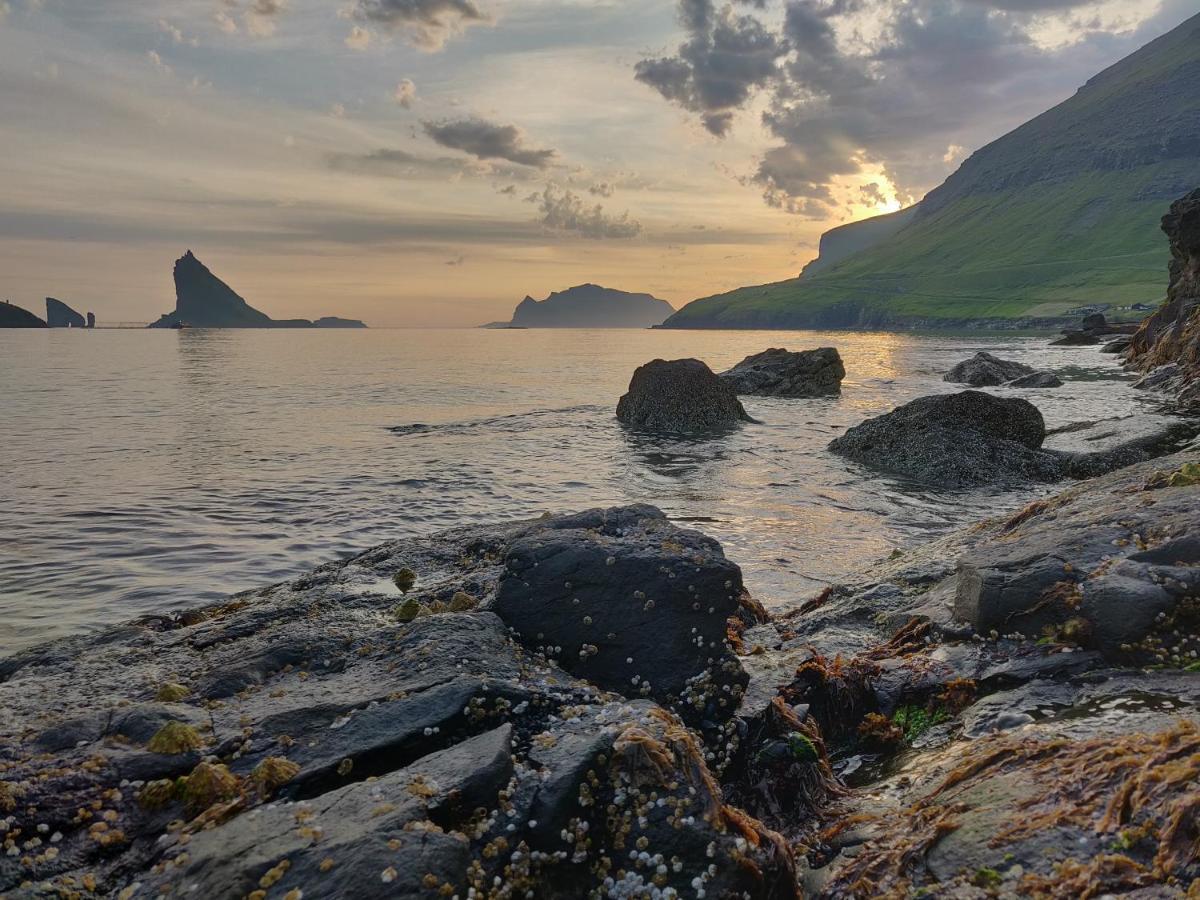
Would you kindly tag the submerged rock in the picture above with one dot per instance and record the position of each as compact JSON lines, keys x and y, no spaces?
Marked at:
{"x":782,"y":373}
{"x":1036,"y":380}
{"x":985,"y":370}
{"x":681,"y":395}
{"x":1077,"y":339}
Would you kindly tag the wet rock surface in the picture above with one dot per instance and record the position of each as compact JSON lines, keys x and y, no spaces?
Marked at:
{"x":1047,"y":752}
{"x":783,"y":373}
{"x":681,"y":395}
{"x":1011,"y":710}
{"x":305,"y":740}
{"x":985,"y":370}
{"x":975,"y":438}
{"x":1036,"y":380}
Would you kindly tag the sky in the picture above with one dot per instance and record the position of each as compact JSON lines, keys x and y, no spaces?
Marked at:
{"x":431,"y":162}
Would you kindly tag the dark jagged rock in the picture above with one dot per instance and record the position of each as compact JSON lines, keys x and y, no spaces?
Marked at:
{"x":335,"y":322}
{"x":589,"y":306}
{"x":1171,"y":336}
{"x":1077,"y":339}
{"x":12,"y":316}
{"x":956,"y":439}
{"x":990,"y":751}
{"x":1036,"y":380}
{"x":974,"y":438}
{"x":202,"y":300}
{"x":1118,"y":345}
{"x":621,"y":596}
{"x":985,"y":370}
{"x":59,"y":315}
{"x":91,"y":320}
{"x":782,"y":373}
{"x":681,"y":395}
{"x":309,"y":739}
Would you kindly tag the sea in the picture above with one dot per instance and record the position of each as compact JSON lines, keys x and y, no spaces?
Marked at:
{"x":154,"y":471}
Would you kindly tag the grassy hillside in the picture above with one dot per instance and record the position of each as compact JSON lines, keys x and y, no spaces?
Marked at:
{"x":1061,"y":212}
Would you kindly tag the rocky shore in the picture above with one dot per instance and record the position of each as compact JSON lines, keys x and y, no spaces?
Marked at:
{"x":592,"y":705}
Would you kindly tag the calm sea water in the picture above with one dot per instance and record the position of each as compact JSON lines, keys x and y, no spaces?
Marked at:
{"x":151,"y":471}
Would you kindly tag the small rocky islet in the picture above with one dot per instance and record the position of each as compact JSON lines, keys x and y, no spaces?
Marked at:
{"x":593,"y":705}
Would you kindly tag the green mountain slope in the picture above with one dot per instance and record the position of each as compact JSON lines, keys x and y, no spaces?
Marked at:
{"x":1063,"y":211}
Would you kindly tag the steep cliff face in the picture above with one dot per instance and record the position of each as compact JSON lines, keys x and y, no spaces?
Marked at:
{"x":592,"y":306}
{"x":59,"y":315}
{"x":1172,"y":334}
{"x":15,"y":317}
{"x":202,"y":300}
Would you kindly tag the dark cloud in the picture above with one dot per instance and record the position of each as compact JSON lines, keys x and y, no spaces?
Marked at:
{"x":603,"y":189}
{"x":932,"y":75}
{"x":424,"y":23}
{"x":391,"y":163}
{"x":487,"y":140}
{"x":726,"y":57}
{"x":566,"y":211}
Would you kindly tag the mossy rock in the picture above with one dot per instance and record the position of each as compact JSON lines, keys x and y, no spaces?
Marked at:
{"x":170,"y":692}
{"x":405,"y":580}
{"x":408,"y":610}
{"x":175,"y":738}
{"x":209,"y":784}
{"x":273,"y":773}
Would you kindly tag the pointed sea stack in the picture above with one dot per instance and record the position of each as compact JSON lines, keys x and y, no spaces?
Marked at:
{"x":202,"y":300}
{"x":59,"y":315}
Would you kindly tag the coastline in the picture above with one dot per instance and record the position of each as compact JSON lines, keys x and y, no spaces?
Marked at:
{"x":330,"y":730}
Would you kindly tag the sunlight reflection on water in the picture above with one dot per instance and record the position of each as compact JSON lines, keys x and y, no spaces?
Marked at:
{"x":152,"y":471}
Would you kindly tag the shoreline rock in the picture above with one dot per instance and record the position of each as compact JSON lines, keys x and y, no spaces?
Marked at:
{"x":782,"y":373}
{"x":985,"y":370}
{"x":1171,"y":335}
{"x":892,"y":733}
{"x":974,"y":438}
{"x":681,"y":395}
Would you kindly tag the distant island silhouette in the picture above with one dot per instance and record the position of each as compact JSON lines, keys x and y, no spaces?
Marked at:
{"x":202,"y":300}
{"x":589,"y":306}
{"x":13,"y":316}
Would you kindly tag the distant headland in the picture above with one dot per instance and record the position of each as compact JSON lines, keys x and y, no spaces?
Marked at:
{"x":202,"y":300}
{"x":589,"y":306}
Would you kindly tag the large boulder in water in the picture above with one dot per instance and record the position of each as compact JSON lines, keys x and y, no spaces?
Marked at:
{"x":783,"y":373}
{"x":682,"y":395}
{"x":985,"y":370}
{"x":956,"y":440}
{"x":59,"y":315}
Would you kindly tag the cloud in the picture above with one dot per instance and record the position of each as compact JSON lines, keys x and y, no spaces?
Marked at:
{"x":566,"y":211}
{"x":395,"y":163}
{"x":406,"y":93}
{"x":854,"y":86}
{"x":359,"y":38}
{"x":603,"y":189}
{"x":159,"y":63}
{"x":487,"y":140}
{"x":175,"y":33}
{"x":426,"y":24}
{"x":262,"y":16}
{"x":725,"y":59}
